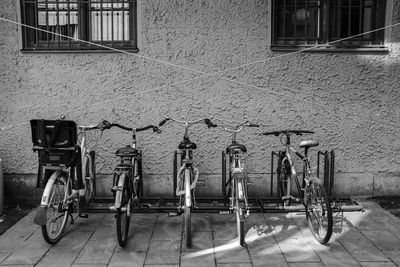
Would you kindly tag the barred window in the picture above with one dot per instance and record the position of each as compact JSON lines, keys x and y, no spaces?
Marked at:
{"x":302,"y":23}
{"x":105,"y":22}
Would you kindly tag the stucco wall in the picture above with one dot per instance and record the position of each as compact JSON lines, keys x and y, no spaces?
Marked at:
{"x":351,"y":100}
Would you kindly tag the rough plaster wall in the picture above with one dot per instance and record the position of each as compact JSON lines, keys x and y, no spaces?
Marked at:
{"x":323,"y":92}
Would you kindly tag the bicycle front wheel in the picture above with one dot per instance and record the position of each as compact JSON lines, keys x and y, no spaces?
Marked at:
{"x":318,"y":211}
{"x":123,"y":216}
{"x":57,"y":209}
{"x":90,"y":178}
{"x":187,"y":210}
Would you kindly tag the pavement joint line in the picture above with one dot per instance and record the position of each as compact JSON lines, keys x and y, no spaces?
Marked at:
{"x":151,"y":236}
{"x":77,"y":255}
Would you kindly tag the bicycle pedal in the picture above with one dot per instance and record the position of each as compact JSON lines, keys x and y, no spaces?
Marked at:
{"x":201,"y":183}
{"x":83,"y":216}
{"x":225,"y":212}
{"x":174,"y":214}
{"x":113,"y":208}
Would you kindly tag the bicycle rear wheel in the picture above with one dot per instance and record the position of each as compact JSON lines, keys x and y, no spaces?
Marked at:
{"x":123,"y":216}
{"x":318,"y":211}
{"x":57,"y":209}
{"x":187,"y":209}
{"x":240,"y":210}
{"x":284,"y":175}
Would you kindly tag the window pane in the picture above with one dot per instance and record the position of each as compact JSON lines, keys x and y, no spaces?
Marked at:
{"x":59,"y":17}
{"x":110,"y":20}
{"x":297,"y":21}
{"x":353,"y":17}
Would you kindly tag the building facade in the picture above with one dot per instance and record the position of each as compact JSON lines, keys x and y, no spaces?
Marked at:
{"x":287,"y":65}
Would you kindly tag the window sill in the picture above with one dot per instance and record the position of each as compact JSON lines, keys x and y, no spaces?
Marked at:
{"x":331,"y":49}
{"x":77,"y":51}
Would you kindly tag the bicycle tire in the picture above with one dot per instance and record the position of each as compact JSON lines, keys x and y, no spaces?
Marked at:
{"x":57,"y":216}
{"x":285,"y":174}
{"x":318,"y":211}
{"x":90,"y":178}
{"x":239,"y":217}
{"x":187,"y":210}
{"x":122,"y":217}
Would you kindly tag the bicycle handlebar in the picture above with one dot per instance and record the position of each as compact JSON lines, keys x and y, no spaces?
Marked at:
{"x":240,"y":127}
{"x":297,"y":132}
{"x":107,"y":125}
{"x":205,"y":120}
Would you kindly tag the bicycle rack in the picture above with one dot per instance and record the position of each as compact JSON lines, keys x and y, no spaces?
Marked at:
{"x":270,"y":202}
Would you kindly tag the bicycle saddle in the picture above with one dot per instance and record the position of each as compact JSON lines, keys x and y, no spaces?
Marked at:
{"x":187,"y":144}
{"x":127,"y":151}
{"x":235,"y":146}
{"x":308,"y":143}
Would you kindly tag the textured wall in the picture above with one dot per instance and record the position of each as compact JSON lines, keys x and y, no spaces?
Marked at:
{"x":351,"y":100}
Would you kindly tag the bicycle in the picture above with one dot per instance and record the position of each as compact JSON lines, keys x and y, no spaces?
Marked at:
{"x":127,"y":182}
{"x":187,"y":175}
{"x":238,"y":180}
{"x":71,"y":186}
{"x":312,"y":192}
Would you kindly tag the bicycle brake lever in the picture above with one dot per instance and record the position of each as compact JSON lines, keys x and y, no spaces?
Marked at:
{"x":157,"y":130}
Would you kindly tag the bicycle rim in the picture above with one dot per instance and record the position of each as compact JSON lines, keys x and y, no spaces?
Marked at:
{"x":318,"y":212}
{"x":123,"y":218}
{"x":57,"y":211}
{"x":187,"y":211}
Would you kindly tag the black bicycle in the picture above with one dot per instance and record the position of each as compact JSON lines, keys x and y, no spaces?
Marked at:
{"x":127,"y":182}
{"x":311,"y":192}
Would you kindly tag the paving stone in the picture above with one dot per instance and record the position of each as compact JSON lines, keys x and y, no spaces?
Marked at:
{"x":72,"y":241}
{"x":86,"y":224}
{"x":200,"y":241}
{"x":97,"y":252}
{"x":127,"y":258}
{"x":230,"y":252}
{"x":198,"y":258}
{"x":335,"y":257}
{"x":360,"y":247}
{"x":378,"y":264}
{"x":168,"y":228}
{"x":58,"y":258}
{"x":382,"y":239}
{"x":163,"y":252}
{"x":306,"y":264}
{"x":3,"y":256}
{"x":393,"y":255}
{"x":201,"y":222}
{"x":139,"y":236}
{"x":264,"y":251}
{"x":235,"y":264}
{"x":89,"y":265}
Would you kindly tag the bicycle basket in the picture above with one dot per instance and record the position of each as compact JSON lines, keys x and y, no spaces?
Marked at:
{"x":55,"y":141}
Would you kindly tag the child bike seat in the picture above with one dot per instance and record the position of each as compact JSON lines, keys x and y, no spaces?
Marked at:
{"x":308,"y":143}
{"x":187,"y":144}
{"x":127,"y":151}
{"x":235,"y":146}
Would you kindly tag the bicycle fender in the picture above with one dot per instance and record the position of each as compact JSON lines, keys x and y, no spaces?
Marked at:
{"x":118,"y":194}
{"x":41,"y":215}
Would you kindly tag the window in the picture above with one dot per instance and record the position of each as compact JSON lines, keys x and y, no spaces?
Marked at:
{"x":302,"y":23}
{"x":106,"y":22}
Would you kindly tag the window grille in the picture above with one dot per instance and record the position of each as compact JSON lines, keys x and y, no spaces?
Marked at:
{"x":106,"y":22}
{"x":311,"y":22}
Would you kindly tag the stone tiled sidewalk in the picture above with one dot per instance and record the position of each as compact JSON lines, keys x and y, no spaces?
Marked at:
{"x":369,"y":238}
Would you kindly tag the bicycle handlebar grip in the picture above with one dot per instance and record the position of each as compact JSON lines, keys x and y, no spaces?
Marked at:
{"x":156,"y":130}
{"x":254,"y":125}
{"x":209,"y":123}
{"x":163,"y":122}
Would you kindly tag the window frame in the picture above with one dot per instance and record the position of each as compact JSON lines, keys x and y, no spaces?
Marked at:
{"x":326,"y":44}
{"x":70,"y":45}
